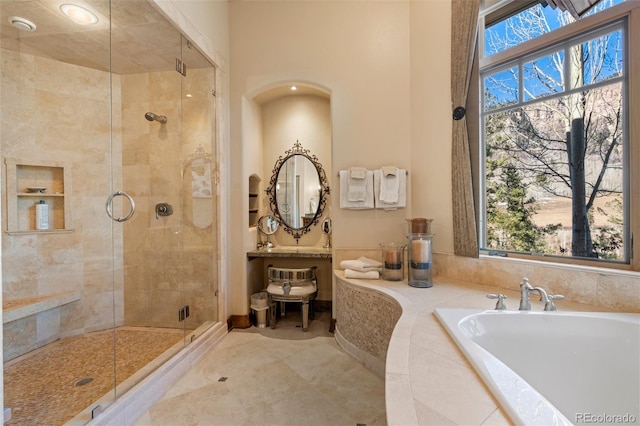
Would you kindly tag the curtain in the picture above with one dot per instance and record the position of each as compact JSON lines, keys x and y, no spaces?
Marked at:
{"x":464,"y":23}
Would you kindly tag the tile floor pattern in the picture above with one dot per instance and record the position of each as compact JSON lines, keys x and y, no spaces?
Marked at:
{"x":282,"y":376}
{"x":39,"y":386}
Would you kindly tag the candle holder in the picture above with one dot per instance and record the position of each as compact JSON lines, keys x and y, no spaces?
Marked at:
{"x":393,"y":261}
{"x":420,"y":260}
{"x":419,"y":225}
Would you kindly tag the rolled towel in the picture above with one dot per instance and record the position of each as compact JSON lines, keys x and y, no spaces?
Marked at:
{"x":371,"y":275}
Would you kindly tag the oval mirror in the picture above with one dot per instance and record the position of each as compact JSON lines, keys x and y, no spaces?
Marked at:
{"x":298,"y":190}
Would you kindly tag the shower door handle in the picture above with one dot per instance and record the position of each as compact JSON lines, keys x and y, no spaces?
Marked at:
{"x":110,"y":206}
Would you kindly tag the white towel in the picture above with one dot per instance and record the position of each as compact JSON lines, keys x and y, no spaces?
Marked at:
{"x":357,"y":172}
{"x":361,"y":266}
{"x":371,"y":275}
{"x":389,"y":170}
{"x":357,"y":184}
{"x":389,"y":185}
{"x":367,"y":202}
{"x":401,"y":175}
{"x":370,"y":262}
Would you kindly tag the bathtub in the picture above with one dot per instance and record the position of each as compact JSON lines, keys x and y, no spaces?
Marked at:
{"x":554,"y":368}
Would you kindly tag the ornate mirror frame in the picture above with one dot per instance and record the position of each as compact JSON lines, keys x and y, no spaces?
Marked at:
{"x":322,"y":197}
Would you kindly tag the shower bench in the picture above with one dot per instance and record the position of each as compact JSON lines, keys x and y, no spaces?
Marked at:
{"x":32,"y":322}
{"x":13,"y":310}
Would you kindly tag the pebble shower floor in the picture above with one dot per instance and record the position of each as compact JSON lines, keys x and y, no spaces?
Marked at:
{"x":51,"y":385}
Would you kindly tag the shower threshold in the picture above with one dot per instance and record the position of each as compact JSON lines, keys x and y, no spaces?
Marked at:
{"x":107,"y":399}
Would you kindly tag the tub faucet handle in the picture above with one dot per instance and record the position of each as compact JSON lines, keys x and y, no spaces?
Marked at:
{"x":500,"y":306}
{"x":551,"y":305}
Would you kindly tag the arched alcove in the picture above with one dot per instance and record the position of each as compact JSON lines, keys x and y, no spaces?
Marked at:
{"x":283,"y":117}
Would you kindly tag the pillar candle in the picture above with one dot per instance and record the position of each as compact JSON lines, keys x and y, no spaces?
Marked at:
{"x":392,"y":256}
{"x":420,"y":252}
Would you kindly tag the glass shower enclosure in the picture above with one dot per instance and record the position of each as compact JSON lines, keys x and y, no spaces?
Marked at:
{"x":112,"y":126}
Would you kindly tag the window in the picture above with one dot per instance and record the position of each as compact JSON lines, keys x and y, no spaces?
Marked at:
{"x":554,"y":158}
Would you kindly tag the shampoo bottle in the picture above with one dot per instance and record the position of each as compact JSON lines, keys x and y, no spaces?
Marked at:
{"x":42,"y":215}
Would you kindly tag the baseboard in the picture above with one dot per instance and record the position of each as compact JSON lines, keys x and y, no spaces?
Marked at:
{"x":322,"y":305}
{"x":239,"y":321}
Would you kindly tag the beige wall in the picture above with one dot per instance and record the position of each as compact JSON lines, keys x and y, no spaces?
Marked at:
{"x":386,"y":67}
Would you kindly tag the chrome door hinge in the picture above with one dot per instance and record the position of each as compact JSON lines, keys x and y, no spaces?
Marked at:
{"x":183,"y":313}
{"x":181,"y":67}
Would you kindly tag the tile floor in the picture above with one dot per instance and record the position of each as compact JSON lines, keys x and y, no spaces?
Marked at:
{"x":282,"y":376}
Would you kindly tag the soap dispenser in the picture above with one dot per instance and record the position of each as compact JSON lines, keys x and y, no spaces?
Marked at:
{"x":42,"y":215}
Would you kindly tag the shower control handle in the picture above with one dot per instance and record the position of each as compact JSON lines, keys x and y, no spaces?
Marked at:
{"x":163,"y":209}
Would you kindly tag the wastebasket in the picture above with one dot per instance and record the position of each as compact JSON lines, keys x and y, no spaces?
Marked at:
{"x":260,"y":306}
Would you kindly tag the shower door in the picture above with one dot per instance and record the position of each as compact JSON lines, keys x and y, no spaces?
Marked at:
{"x":169,"y":244}
{"x":112,"y":288}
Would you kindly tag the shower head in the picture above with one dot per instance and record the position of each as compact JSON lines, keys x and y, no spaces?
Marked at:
{"x":153,"y":117}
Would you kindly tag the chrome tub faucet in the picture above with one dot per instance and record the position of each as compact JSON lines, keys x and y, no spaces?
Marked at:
{"x":525,"y":291}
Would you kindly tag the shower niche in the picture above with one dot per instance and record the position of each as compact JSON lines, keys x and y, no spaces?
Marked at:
{"x":30,"y":181}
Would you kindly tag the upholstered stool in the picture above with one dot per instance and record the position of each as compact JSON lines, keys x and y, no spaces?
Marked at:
{"x":292,"y":285}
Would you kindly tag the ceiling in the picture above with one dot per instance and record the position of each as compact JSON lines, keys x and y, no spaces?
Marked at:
{"x":141,"y":39}
{"x":285,"y":90}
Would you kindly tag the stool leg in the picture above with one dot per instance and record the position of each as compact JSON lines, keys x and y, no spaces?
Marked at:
{"x":272,"y":314}
{"x":282,"y":309}
{"x":305,"y":315}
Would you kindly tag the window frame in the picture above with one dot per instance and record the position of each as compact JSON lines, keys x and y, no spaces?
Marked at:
{"x":628,"y":11}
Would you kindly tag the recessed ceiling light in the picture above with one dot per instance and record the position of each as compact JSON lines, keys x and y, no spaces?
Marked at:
{"x":79,"y":14}
{"x":293,"y":88}
{"x":22,"y":23}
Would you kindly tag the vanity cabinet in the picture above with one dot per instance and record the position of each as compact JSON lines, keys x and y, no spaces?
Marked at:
{"x":292,"y":257}
{"x":28,"y":182}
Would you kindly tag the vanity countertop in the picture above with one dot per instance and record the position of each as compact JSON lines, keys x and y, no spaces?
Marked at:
{"x":428,"y":380}
{"x":292,"y":251}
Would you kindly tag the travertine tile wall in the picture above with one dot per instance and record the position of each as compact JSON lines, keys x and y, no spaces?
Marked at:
{"x":608,"y":288}
{"x":53,"y":111}
{"x":168,"y":261}
{"x":604,"y":287}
